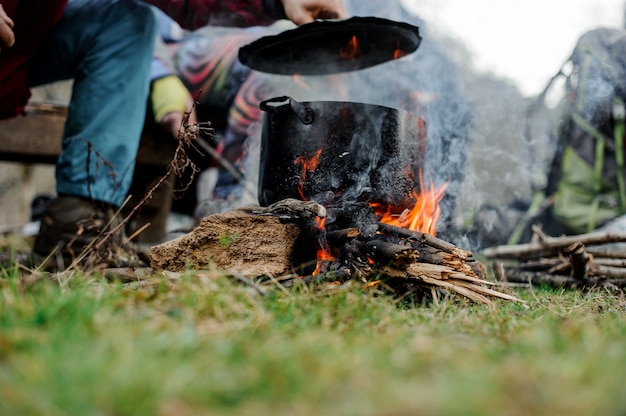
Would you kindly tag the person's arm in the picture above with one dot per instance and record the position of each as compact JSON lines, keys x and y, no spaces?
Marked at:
{"x":193,"y":14}
{"x":7,"y":37}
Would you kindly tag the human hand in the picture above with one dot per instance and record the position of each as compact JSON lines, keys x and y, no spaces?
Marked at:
{"x":7,"y":37}
{"x":172,"y":122}
{"x":306,"y":11}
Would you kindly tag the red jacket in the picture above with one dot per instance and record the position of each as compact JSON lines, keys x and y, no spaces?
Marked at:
{"x":193,"y":14}
{"x":33,"y":21}
{"x":35,"y":18}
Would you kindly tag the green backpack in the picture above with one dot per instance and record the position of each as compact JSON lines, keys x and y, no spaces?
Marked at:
{"x":585,"y":185}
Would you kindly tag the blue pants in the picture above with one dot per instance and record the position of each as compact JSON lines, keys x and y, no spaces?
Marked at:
{"x":106,"y":47}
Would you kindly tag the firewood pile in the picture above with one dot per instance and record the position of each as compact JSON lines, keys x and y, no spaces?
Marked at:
{"x":582,"y":261}
{"x":285,"y":243}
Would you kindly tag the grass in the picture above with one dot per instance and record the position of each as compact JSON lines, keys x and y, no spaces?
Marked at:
{"x":203,"y":344}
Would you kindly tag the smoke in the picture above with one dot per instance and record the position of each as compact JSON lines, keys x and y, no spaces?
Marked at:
{"x":475,"y":124}
{"x":424,"y":83}
{"x":481,"y":138}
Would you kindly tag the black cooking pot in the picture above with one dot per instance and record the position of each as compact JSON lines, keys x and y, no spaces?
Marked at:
{"x":335,"y":152}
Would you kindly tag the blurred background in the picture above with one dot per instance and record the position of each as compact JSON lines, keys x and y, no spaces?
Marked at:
{"x":505,"y":54}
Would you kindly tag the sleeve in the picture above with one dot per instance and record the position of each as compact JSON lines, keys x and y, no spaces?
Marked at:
{"x":193,"y":14}
{"x":168,"y":95}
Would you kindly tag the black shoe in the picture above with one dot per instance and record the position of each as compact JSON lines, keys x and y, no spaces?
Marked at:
{"x":79,"y":232}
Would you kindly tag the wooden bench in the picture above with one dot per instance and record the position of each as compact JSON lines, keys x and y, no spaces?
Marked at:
{"x":36,"y":138}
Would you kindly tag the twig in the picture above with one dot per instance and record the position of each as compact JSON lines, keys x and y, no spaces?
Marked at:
{"x":579,"y":259}
{"x":340,"y":274}
{"x":179,"y":164}
{"x":250,"y":283}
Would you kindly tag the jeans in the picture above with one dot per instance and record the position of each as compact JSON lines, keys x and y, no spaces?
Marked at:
{"x":106,"y":47}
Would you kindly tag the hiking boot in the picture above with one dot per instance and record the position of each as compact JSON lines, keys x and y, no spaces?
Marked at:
{"x":76,"y":231}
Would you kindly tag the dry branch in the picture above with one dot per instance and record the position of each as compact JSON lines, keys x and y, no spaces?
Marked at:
{"x":564,"y":282}
{"x":612,"y":262}
{"x":566,"y":262}
{"x":550,"y":246}
{"x":597,"y":270}
{"x":465,"y":284}
{"x":468,"y":293}
{"x":598,"y":253}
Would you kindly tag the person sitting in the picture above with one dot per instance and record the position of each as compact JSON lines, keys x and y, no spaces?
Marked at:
{"x":106,"y":47}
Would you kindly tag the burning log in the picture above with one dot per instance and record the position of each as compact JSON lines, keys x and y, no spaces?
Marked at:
{"x":342,"y":236}
{"x":384,"y":252}
{"x":426,"y":240}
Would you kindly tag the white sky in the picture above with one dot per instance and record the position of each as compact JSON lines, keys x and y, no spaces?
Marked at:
{"x":524,"y":40}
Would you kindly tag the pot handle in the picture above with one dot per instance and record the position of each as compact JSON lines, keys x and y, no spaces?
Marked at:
{"x":305,"y":114}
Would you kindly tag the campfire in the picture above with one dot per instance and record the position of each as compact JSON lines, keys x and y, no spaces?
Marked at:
{"x":341,"y":185}
{"x":293,"y":240}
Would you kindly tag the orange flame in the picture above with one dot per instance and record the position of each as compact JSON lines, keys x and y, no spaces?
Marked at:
{"x":351,"y":50}
{"x":421,"y":217}
{"x":323,"y":251}
{"x":399,"y":53}
{"x":308,"y":165}
{"x":297,"y":79}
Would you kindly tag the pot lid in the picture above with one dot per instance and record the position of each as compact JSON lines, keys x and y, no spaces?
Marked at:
{"x":331,"y":46}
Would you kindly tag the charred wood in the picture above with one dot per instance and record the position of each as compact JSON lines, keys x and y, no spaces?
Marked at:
{"x":383,"y":252}
{"x":291,"y":209}
{"x":425,"y":239}
{"x":342,"y":236}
